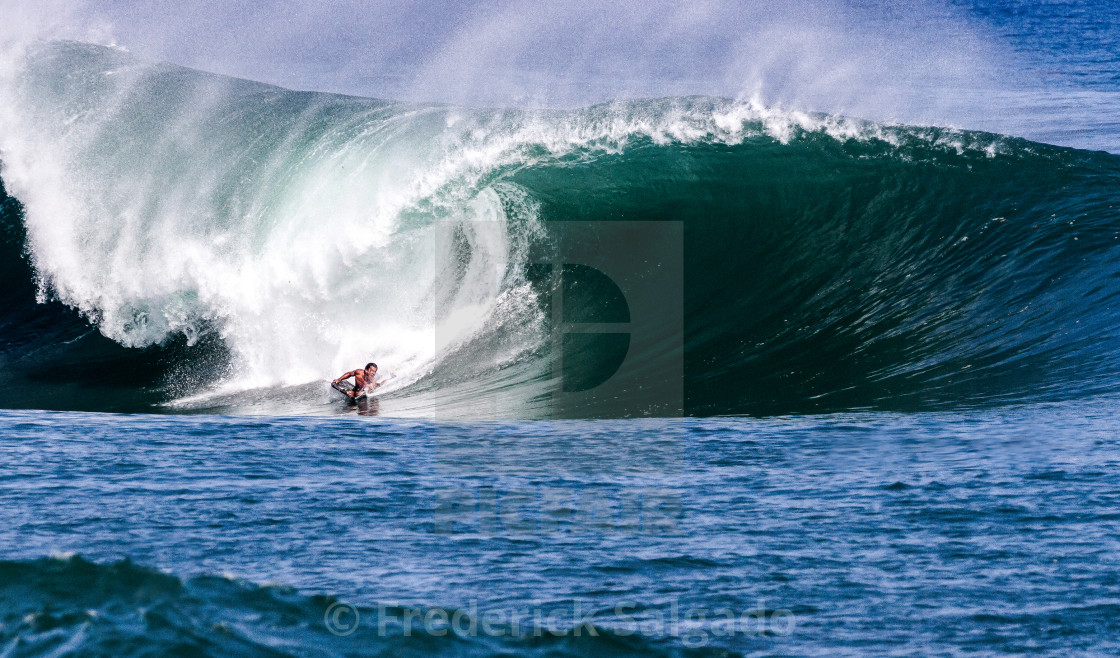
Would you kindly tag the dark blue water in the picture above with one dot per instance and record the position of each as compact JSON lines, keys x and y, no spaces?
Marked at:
{"x":1066,"y":66}
{"x":993,"y":531}
{"x":898,"y":365}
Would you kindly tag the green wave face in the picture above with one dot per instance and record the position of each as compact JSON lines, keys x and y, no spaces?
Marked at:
{"x":826,"y":273}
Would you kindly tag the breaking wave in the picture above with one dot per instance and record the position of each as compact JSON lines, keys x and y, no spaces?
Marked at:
{"x":179,"y":238}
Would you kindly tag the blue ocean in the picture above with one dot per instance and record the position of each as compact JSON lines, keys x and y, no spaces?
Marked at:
{"x":777,"y":372}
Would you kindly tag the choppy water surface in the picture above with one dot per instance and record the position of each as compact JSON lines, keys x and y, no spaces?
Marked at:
{"x":991,"y":531}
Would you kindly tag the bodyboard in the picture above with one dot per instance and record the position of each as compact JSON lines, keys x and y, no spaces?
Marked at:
{"x":344,"y":387}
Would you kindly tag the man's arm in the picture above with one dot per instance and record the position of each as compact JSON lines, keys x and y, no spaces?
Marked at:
{"x":346,"y":376}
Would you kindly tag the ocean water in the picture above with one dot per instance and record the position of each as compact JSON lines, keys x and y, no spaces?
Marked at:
{"x":991,"y":531}
{"x":688,"y":375}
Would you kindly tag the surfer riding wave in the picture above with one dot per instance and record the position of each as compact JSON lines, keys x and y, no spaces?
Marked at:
{"x":365,"y":380}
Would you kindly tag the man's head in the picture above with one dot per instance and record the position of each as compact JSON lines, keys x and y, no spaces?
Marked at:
{"x":371,"y":368}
